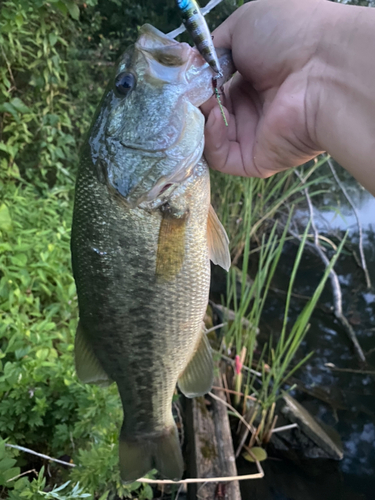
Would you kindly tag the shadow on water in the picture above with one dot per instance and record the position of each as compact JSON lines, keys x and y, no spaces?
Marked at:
{"x":344,"y":400}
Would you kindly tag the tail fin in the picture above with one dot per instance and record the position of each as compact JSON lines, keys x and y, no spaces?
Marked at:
{"x":162,"y":452}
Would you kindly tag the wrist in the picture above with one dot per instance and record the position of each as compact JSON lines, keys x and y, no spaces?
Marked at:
{"x":342,"y":91}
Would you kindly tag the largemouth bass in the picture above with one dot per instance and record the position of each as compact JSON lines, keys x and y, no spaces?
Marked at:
{"x":142,"y":237}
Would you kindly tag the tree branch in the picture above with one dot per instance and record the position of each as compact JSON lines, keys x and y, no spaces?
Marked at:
{"x":336,"y":288}
{"x":360,"y":243}
{"x":41,"y":455}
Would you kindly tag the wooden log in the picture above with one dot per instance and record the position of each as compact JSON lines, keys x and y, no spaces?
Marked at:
{"x":210,"y":448}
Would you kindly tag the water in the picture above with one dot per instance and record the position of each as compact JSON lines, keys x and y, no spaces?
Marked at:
{"x":344,"y":400}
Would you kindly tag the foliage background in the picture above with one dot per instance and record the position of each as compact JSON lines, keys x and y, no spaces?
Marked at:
{"x":55,"y":59}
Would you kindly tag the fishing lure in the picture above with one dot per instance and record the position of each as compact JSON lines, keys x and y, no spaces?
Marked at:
{"x":196,"y":26}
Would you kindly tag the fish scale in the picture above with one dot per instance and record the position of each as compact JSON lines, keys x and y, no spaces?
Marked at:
{"x":149,"y":315}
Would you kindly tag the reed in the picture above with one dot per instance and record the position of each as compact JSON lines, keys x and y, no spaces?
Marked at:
{"x":246,"y":209}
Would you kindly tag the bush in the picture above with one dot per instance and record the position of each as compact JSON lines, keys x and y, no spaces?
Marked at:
{"x":55,"y":60}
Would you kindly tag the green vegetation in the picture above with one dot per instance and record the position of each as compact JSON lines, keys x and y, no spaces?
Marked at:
{"x":50,"y":84}
{"x":56,"y":57}
{"x":247,"y":207}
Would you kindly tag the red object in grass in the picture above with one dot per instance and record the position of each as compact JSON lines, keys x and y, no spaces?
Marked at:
{"x":238,"y":364}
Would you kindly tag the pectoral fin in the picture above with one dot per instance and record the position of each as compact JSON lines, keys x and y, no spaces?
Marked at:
{"x":218,"y":242}
{"x":171,"y":246}
{"x":197,"y":377}
{"x":88,"y":367}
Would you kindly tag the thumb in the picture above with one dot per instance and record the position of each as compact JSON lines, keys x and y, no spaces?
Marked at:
{"x":216,"y":139}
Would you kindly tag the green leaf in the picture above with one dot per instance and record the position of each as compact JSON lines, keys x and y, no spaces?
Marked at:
{"x":147,"y":493}
{"x":9,"y":474}
{"x":259,"y":454}
{"x":19,"y":105}
{"x":19,"y":260}
{"x":135,"y":486}
{"x":5,"y":219}
{"x":72,"y":9}
{"x":11,"y":150}
{"x":5,"y":247}
{"x":8,"y":108}
{"x":105,"y":495}
{"x":20,"y":353}
{"x":19,"y":20}
{"x":42,"y":354}
{"x":2,"y":449}
{"x":61,"y":487}
{"x":6,"y":463}
{"x":72,"y":290}
{"x":52,"y":39}
{"x":62,"y":7}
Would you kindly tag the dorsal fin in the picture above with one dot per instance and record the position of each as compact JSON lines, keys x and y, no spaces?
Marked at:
{"x":218,"y":242}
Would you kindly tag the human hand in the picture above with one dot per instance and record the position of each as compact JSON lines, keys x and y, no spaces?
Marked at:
{"x":271,"y":103}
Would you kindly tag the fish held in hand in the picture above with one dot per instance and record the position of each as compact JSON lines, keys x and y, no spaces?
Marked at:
{"x":142,"y":237}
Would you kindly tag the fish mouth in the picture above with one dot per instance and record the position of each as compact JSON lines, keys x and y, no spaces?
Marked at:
{"x":172,"y":54}
{"x":160,"y":47}
{"x":170,"y":61}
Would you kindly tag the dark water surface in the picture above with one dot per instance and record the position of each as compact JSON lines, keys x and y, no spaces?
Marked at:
{"x":345,"y":400}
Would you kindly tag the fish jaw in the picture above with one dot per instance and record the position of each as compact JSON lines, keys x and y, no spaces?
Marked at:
{"x":172,"y":61}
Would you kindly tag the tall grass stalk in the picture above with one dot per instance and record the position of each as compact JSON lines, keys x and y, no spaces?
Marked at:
{"x":248,"y":301}
{"x":233,"y":197}
{"x":244,"y":339}
{"x":287,"y":347}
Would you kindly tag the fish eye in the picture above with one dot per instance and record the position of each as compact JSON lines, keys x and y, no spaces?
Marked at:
{"x":125,"y":82}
